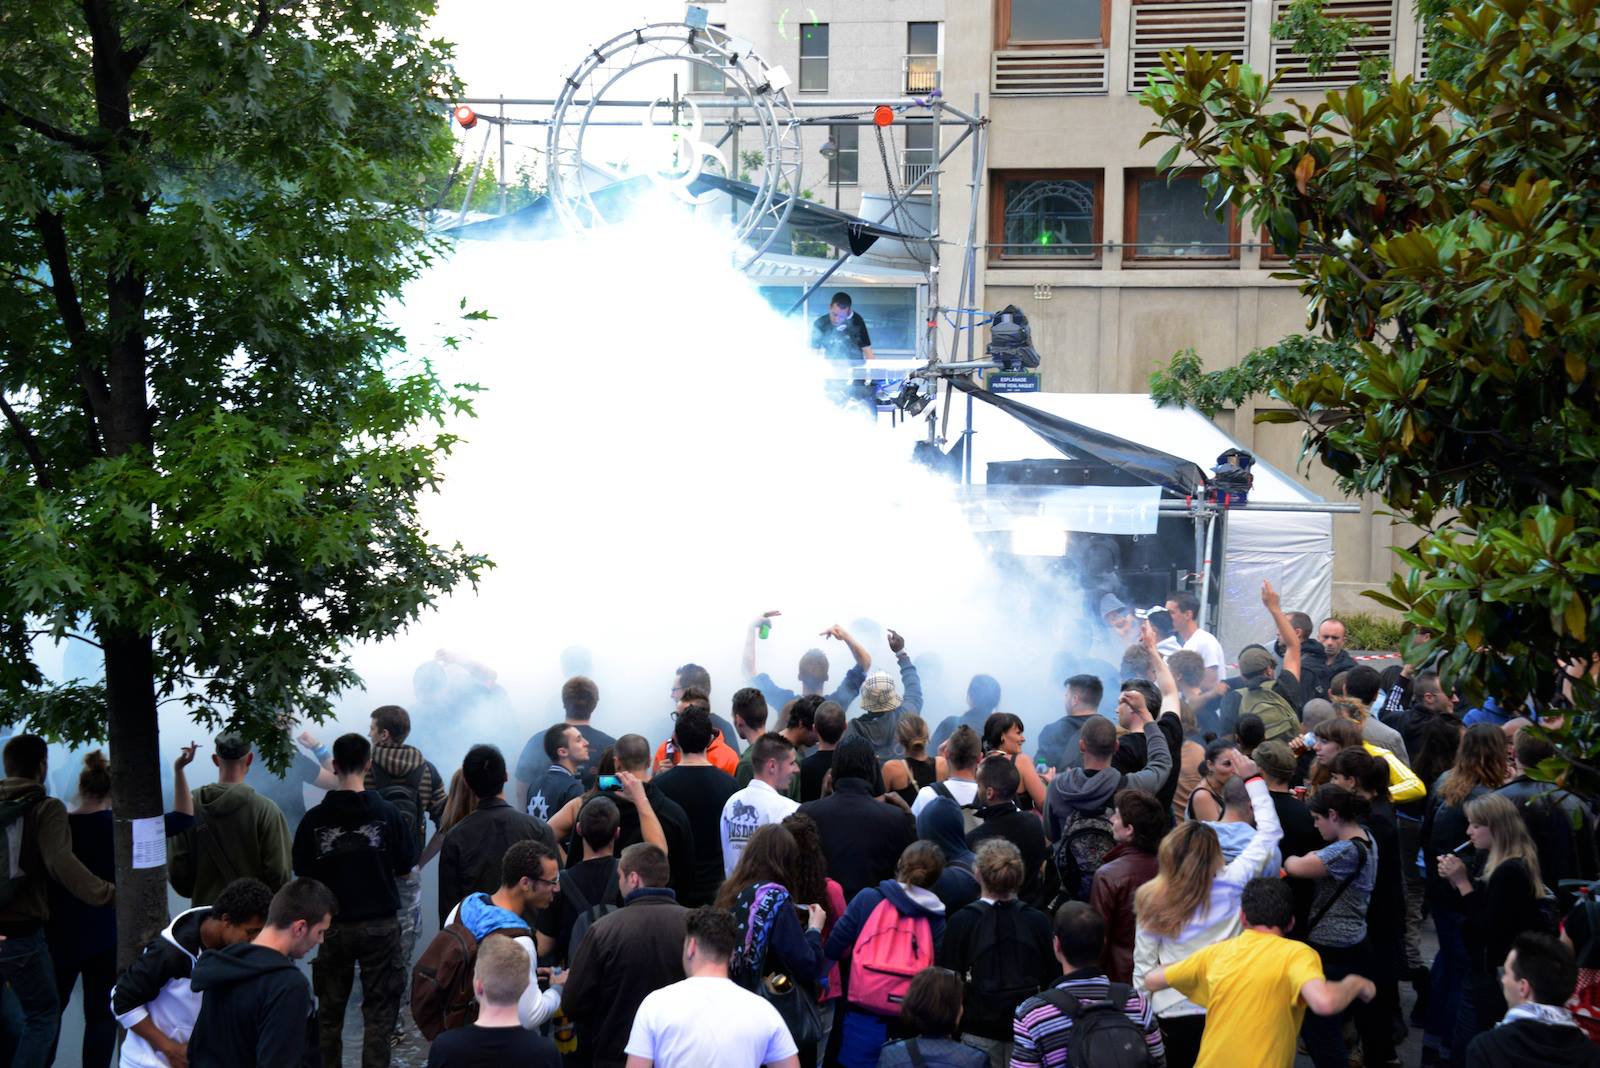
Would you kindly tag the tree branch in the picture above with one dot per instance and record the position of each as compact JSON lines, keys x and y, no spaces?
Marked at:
{"x":69,"y":634}
{"x":30,"y":444}
{"x":45,"y":129}
{"x":97,"y":397}
{"x":264,"y":13}
{"x":20,"y":277}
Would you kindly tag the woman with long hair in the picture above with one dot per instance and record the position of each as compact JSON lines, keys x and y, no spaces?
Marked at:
{"x":1479,"y":769}
{"x":808,"y":881}
{"x":1216,"y":768}
{"x":83,"y":938}
{"x":459,"y":803}
{"x":1003,"y":735}
{"x":910,"y":773}
{"x":758,"y":893}
{"x":1193,"y":902}
{"x":1500,"y":892}
{"x":1345,"y":871}
{"x":1404,"y":786}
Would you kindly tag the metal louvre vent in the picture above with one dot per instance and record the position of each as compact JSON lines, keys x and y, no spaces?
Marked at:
{"x":1377,"y":15}
{"x":1222,"y":27}
{"x":1042,"y":72}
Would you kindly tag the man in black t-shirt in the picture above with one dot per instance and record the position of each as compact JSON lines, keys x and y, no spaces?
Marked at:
{"x":841,"y":334}
{"x":498,"y":979}
{"x":592,"y":881}
{"x":701,"y":789}
{"x":829,"y":722}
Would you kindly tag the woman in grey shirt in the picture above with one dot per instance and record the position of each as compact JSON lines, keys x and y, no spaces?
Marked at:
{"x":1345,"y":870}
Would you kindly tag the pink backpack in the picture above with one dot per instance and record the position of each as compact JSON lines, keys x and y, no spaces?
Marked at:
{"x":889,"y":951}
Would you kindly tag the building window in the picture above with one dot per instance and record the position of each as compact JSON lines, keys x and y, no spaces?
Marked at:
{"x":1174,"y":220}
{"x":814,"y":58}
{"x":1045,"y":215}
{"x":922,"y":57}
{"x":845,"y":167}
{"x":1039,"y":23}
{"x":702,"y":78}
{"x":922,"y":150}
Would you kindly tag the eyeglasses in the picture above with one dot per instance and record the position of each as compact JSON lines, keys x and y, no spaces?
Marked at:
{"x":554,"y":884}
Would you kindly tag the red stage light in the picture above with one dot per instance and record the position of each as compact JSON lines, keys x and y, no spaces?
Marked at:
{"x":883,"y":115}
{"x":466,"y":116}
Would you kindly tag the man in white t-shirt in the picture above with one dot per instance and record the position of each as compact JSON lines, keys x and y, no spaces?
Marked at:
{"x":1184,"y":607}
{"x":708,"y":1020}
{"x":765,"y":800}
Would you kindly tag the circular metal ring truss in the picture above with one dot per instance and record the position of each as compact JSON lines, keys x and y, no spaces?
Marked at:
{"x":679,"y":149}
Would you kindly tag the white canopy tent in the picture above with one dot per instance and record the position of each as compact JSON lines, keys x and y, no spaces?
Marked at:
{"x":1292,"y":549}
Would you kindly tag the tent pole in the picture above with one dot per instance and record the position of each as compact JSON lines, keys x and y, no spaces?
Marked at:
{"x":1205,"y":565}
{"x":970,"y":297}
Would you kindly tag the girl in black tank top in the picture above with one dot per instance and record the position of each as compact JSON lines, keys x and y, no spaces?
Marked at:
{"x":909,"y":774}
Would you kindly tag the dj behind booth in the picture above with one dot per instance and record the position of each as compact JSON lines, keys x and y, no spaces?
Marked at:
{"x":842,"y":335}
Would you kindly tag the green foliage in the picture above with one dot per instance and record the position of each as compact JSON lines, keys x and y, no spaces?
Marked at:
{"x":812,"y":246}
{"x":1315,"y":34}
{"x":1447,"y":240}
{"x":1370,"y":631}
{"x":447,"y":183}
{"x":1186,"y":381}
{"x":212,"y":443}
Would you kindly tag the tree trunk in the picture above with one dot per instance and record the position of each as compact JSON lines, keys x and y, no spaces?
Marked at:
{"x":135,"y":786}
{"x":126,"y":425}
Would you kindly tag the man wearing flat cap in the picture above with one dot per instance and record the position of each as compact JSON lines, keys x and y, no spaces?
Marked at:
{"x":237,"y":833}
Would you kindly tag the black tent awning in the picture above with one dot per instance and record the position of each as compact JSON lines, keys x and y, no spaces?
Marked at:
{"x":1174,"y":474}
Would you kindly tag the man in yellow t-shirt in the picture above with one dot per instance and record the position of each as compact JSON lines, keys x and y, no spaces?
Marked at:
{"x":1256,"y":987}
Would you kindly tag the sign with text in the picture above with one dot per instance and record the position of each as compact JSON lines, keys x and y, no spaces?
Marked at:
{"x":1012,"y":382}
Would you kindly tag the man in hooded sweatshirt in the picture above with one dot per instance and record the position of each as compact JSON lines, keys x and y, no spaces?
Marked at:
{"x":40,"y":840}
{"x":406,"y":779}
{"x":358,"y":845}
{"x":882,"y":706}
{"x":255,"y":1006}
{"x":237,"y":834}
{"x":1088,"y":790}
{"x":152,"y":998}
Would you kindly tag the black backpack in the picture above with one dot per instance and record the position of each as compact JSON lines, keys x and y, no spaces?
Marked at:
{"x":587,"y":913}
{"x":1004,"y":971}
{"x":1085,"y":840}
{"x":404,"y":794}
{"x":1102,"y":1034}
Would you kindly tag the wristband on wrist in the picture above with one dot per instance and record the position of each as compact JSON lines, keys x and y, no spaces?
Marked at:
{"x":323,"y":753}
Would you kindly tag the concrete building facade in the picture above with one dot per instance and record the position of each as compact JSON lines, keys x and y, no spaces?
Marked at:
{"x":848,"y":50}
{"x":1116,"y":268}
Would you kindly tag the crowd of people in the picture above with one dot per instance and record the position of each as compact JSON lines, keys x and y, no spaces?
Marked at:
{"x":1223,"y":865}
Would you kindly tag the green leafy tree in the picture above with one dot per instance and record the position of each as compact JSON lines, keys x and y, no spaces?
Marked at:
{"x":210,"y":456}
{"x":1447,"y":239}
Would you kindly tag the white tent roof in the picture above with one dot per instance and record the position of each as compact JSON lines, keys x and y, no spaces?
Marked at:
{"x":1182,"y":432}
{"x":1293,"y":550}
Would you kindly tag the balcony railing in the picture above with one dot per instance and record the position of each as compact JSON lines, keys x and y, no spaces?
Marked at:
{"x":914,"y":172}
{"x":921,"y":74}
